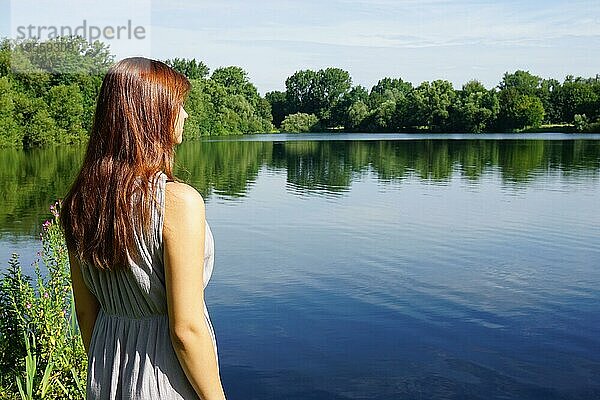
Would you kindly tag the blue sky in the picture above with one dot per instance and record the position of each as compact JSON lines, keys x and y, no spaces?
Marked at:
{"x":416,"y":40}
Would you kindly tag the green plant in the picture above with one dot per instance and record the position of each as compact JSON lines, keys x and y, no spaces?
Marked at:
{"x":53,"y":364}
{"x":299,"y":122}
{"x":30,"y":372}
{"x":581,"y":122}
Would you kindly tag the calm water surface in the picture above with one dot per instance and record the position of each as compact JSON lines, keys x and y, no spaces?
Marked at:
{"x":386,"y":267}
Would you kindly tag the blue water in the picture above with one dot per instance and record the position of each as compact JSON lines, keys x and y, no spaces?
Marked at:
{"x":338,"y":276}
{"x":409,"y":290}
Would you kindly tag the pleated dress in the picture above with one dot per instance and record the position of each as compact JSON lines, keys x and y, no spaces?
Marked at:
{"x":131,"y":355}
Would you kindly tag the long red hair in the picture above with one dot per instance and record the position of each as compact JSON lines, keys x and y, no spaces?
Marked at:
{"x":132,"y":138}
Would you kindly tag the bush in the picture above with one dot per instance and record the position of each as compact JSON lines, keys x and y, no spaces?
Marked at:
{"x":581,"y":122}
{"x":41,"y":351}
{"x":594,"y":127}
{"x":299,"y":122}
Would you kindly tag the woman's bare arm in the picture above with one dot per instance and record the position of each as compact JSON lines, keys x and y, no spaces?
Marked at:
{"x":86,"y":304}
{"x":183,"y":238}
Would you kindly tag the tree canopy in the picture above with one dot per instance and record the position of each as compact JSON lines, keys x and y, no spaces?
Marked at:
{"x":48,"y":94}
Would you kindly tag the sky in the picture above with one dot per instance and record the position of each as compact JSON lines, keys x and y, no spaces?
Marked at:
{"x":456,"y":40}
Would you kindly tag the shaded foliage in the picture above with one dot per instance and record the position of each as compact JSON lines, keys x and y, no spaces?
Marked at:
{"x":49,"y":96}
{"x":48,"y":90}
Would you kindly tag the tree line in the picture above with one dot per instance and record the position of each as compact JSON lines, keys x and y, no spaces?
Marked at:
{"x":325,"y":99}
{"x":48,"y":95}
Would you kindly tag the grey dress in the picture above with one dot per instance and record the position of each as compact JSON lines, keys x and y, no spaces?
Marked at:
{"x":131,"y":355}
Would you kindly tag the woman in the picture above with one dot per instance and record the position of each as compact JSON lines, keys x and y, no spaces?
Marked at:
{"x":140,"y":249}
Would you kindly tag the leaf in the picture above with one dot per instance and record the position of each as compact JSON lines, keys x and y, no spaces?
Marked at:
{"x":64,"y":389}
{"x":20,"y":385}
{"x":46,"y":378}
{"x":77,"y":381}
{"x":30,"y":366}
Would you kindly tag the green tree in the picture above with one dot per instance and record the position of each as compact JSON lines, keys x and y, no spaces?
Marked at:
{"x":191,"y":68}
{"x":65,"y":106}
{"x":301,"y":92}
{"x":522,"y":81}
{"x":579,"y":96}
{"x":5,"y":55}
{"x":254,"y":111}
{"x":27,"y":77}
{"x":332,"y":85}
{"x":89,"y":87}
{"x":520,"y":103}
{"x":519,"y":110}
{"x":387,"y":102}
{"x":318,"y":92}
{"x":389,"y":89}
{"x":429,"y":105}
{"x":530,"y":111}
{"x":382,"y":118}
{"x":548,"y":94}
{"x":350,"y":107}
{"x":228,"y":104}
{"x":475,"y":108}
{"x":279,"y":106}
{"x":10,"y":132}
{"x":38,"y":125}
{"x":235,"y":80}
{"x":300,"y":122}
{"x":201,"y":109}
{"x":54,"y":85}
{"x":581,"y":123}
{"x":357,"y":113}
{"x":62,"y":57}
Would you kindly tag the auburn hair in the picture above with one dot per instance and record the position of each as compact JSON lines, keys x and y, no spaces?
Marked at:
{"x":132,"y":139}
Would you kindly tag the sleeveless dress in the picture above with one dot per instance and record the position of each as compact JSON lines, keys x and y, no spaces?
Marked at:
{"x":131,"y":355}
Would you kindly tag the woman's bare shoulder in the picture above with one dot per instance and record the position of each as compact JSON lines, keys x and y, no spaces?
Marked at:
{"x":179,"y":192}
{"x":184,"y":205}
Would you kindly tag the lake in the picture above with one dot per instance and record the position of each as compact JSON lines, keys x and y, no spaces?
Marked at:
{"x":382,"y":266}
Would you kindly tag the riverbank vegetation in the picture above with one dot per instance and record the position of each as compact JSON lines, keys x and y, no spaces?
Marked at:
{"x":521,"y":101}
{"x":41,"y":352}
{"x":48,"y":97}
